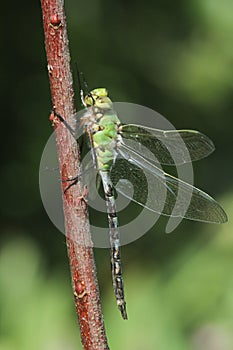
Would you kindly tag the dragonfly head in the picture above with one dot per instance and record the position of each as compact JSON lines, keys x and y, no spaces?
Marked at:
{"x":99,"y":98}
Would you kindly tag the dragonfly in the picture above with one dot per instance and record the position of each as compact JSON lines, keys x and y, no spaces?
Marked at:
{"x":113,"y":156}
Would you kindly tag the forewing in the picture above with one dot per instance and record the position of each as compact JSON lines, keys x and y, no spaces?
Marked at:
{"x":172,"y":147}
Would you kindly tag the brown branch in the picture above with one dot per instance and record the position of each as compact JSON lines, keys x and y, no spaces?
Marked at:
{"x":82,"y":266}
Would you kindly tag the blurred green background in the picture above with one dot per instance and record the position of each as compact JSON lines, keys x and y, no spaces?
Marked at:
{"x":177,"y":58}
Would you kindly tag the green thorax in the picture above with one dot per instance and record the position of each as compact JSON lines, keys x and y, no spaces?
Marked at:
{"x":104,"y":127}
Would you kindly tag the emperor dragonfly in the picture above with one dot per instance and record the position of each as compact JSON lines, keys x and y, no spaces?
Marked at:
{"x":107,"y":136}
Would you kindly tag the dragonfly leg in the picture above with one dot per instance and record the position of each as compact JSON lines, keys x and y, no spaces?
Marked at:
{"x":58,"y":116}
{"x":83,"y":197}
{"x":74,"y":180}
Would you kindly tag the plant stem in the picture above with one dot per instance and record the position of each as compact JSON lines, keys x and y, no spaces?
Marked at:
{"x":78,"y":239}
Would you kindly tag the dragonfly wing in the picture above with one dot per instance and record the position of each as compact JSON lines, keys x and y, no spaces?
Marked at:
{"x":149,"y":186}
{"x":172,"y":147}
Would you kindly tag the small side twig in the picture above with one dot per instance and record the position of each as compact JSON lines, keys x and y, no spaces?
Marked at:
{"x":82,"y":266}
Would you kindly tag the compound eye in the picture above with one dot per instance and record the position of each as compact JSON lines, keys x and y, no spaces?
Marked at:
{"x":89,"y":100}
